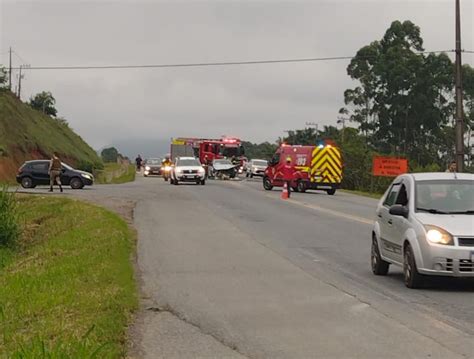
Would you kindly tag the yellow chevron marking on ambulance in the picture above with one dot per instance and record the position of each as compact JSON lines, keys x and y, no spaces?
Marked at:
{"x":327,"y":163}
{"x":320,"y":152}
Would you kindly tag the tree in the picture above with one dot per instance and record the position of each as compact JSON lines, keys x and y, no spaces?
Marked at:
{"x":44,"y":102}
{"x":3,"y":77}
{"x":404,"y":100}
{"x":109,"y":154}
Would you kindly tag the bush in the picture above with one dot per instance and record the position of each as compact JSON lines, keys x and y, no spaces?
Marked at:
{"x":89,"y":166}
{"x":9,"y":228}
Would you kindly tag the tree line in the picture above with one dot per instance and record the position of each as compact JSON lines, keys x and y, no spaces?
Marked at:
{"x":403,"y":105}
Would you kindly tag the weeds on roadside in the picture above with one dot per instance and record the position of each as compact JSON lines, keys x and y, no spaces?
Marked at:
{"x":9,"y":227}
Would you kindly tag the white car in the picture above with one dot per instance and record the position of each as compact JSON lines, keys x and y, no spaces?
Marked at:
{"x":256,"y":168}
{"x":425,"y":223}
{"x":187,"y":169}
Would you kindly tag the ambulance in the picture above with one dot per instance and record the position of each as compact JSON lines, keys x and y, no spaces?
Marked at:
{"x":316,"y":167}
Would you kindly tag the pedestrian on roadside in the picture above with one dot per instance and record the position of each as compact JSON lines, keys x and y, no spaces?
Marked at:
{"x":453,"y":167}
{"x":287,"y":172}
{"x":138,"y":162}
{"x":54,"y":172}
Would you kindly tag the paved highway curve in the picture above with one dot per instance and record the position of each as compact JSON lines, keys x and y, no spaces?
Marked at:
{"x":286,"y":279}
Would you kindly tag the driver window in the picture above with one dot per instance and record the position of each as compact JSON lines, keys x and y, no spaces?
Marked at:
{"x":402,"y":197}
{"x":392,"y":195}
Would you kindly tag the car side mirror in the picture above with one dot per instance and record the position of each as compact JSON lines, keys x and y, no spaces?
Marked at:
{"x":399,"y":210}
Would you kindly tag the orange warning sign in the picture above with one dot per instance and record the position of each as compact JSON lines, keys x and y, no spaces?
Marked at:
{"x":389,"y":166}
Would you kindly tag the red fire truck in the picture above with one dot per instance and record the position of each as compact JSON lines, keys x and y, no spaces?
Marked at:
{"x":210,"y":149}
{"x":316,"y":167}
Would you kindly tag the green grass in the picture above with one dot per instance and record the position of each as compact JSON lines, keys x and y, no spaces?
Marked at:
{"x":68,"y":291}
{"x":104,"y":176}
{"x":364,"y":194}
{"x":25,"y":131}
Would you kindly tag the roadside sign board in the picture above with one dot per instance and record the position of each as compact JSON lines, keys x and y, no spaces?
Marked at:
{"x":389,"y":166}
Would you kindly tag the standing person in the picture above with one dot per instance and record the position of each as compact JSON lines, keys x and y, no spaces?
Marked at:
{"x":138,"y":162}
{"x":287,"y":173}
{"x":54,"y":172}
{"x":453,"y":167}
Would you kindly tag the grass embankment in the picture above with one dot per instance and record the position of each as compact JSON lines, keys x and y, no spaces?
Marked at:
{"x":67,"y":289}
{"x":114,"y":173}
{"x":364,"y":194}
{"x":29,"y":134}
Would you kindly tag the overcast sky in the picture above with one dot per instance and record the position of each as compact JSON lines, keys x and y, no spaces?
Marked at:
{"x":254,"y":102}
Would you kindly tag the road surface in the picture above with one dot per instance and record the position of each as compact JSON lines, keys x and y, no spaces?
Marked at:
{"x":261,"y":277}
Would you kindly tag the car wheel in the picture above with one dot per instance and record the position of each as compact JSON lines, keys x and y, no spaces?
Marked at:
{"x":76,"y":183}
{"x":175,"y":182}
{"x":413,"y":279}
{"x":379,"y":266}
{"x":27,"y":182}
{"x":331,"y":191}
{"x":301,"y":186}
{"x":267,"y":184}
{"x":203,"y":182}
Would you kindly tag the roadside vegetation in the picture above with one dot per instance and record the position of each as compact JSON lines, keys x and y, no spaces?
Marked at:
{"x":403,"y":105}
{"x":27,"y":133}
{"x":67,"y":286}
{"x":115,"y":173}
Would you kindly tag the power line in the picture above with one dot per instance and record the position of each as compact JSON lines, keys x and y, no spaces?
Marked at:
{"x":19,"y":57}
{"x":206,"y":64}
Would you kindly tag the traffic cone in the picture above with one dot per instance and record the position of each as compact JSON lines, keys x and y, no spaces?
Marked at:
{"x":284,"y":193}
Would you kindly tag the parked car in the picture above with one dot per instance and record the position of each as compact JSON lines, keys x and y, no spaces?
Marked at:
{"x":152,"y":167}
{"x":256,"y":168}
{"x":187,"y":169}
{"x":34,"y":173}
{"x":425,"y":224}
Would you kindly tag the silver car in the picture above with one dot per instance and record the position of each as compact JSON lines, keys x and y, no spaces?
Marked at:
{"x":425,"y":223}
{"x":256,"y":168}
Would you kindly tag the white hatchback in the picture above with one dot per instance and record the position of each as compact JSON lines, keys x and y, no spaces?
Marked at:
{"x":425,"y":223}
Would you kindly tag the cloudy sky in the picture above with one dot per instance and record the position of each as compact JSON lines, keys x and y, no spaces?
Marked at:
{"x":254,"y":102}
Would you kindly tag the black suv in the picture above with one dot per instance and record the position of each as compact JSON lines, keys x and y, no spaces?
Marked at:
{"x":33,"y":173}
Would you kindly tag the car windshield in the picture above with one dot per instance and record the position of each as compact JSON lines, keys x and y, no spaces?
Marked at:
{"x":188,"y":162}
{"x":66,"y":166}
{"x":153,"y":161}
{"x":445,"y":196}
{"x":259,"y":163}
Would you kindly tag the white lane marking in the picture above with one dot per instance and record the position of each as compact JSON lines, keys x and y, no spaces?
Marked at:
{"x":332,"y":212}
{"x":321,"y":209}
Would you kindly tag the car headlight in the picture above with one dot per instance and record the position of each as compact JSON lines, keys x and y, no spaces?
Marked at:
{"x":86,"y":176}
{"x":177,"y":170}
{"x":147,"y":168}
{"x":438,"y":235}
{"x":201,"y":171}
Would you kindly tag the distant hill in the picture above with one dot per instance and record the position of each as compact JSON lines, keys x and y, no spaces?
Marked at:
{"x":27,"y":134}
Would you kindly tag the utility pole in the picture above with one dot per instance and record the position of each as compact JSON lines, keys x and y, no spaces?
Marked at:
{"x":342,"y":120}
{"x":10,"y":71}
{"x":20,"y":76}
{"x":459,"y":109}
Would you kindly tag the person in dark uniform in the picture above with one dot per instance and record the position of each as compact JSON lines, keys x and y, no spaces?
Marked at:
{"x":55,"y":172}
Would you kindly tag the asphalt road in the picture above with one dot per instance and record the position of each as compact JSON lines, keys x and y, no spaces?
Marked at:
{"x":268,"y":278}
